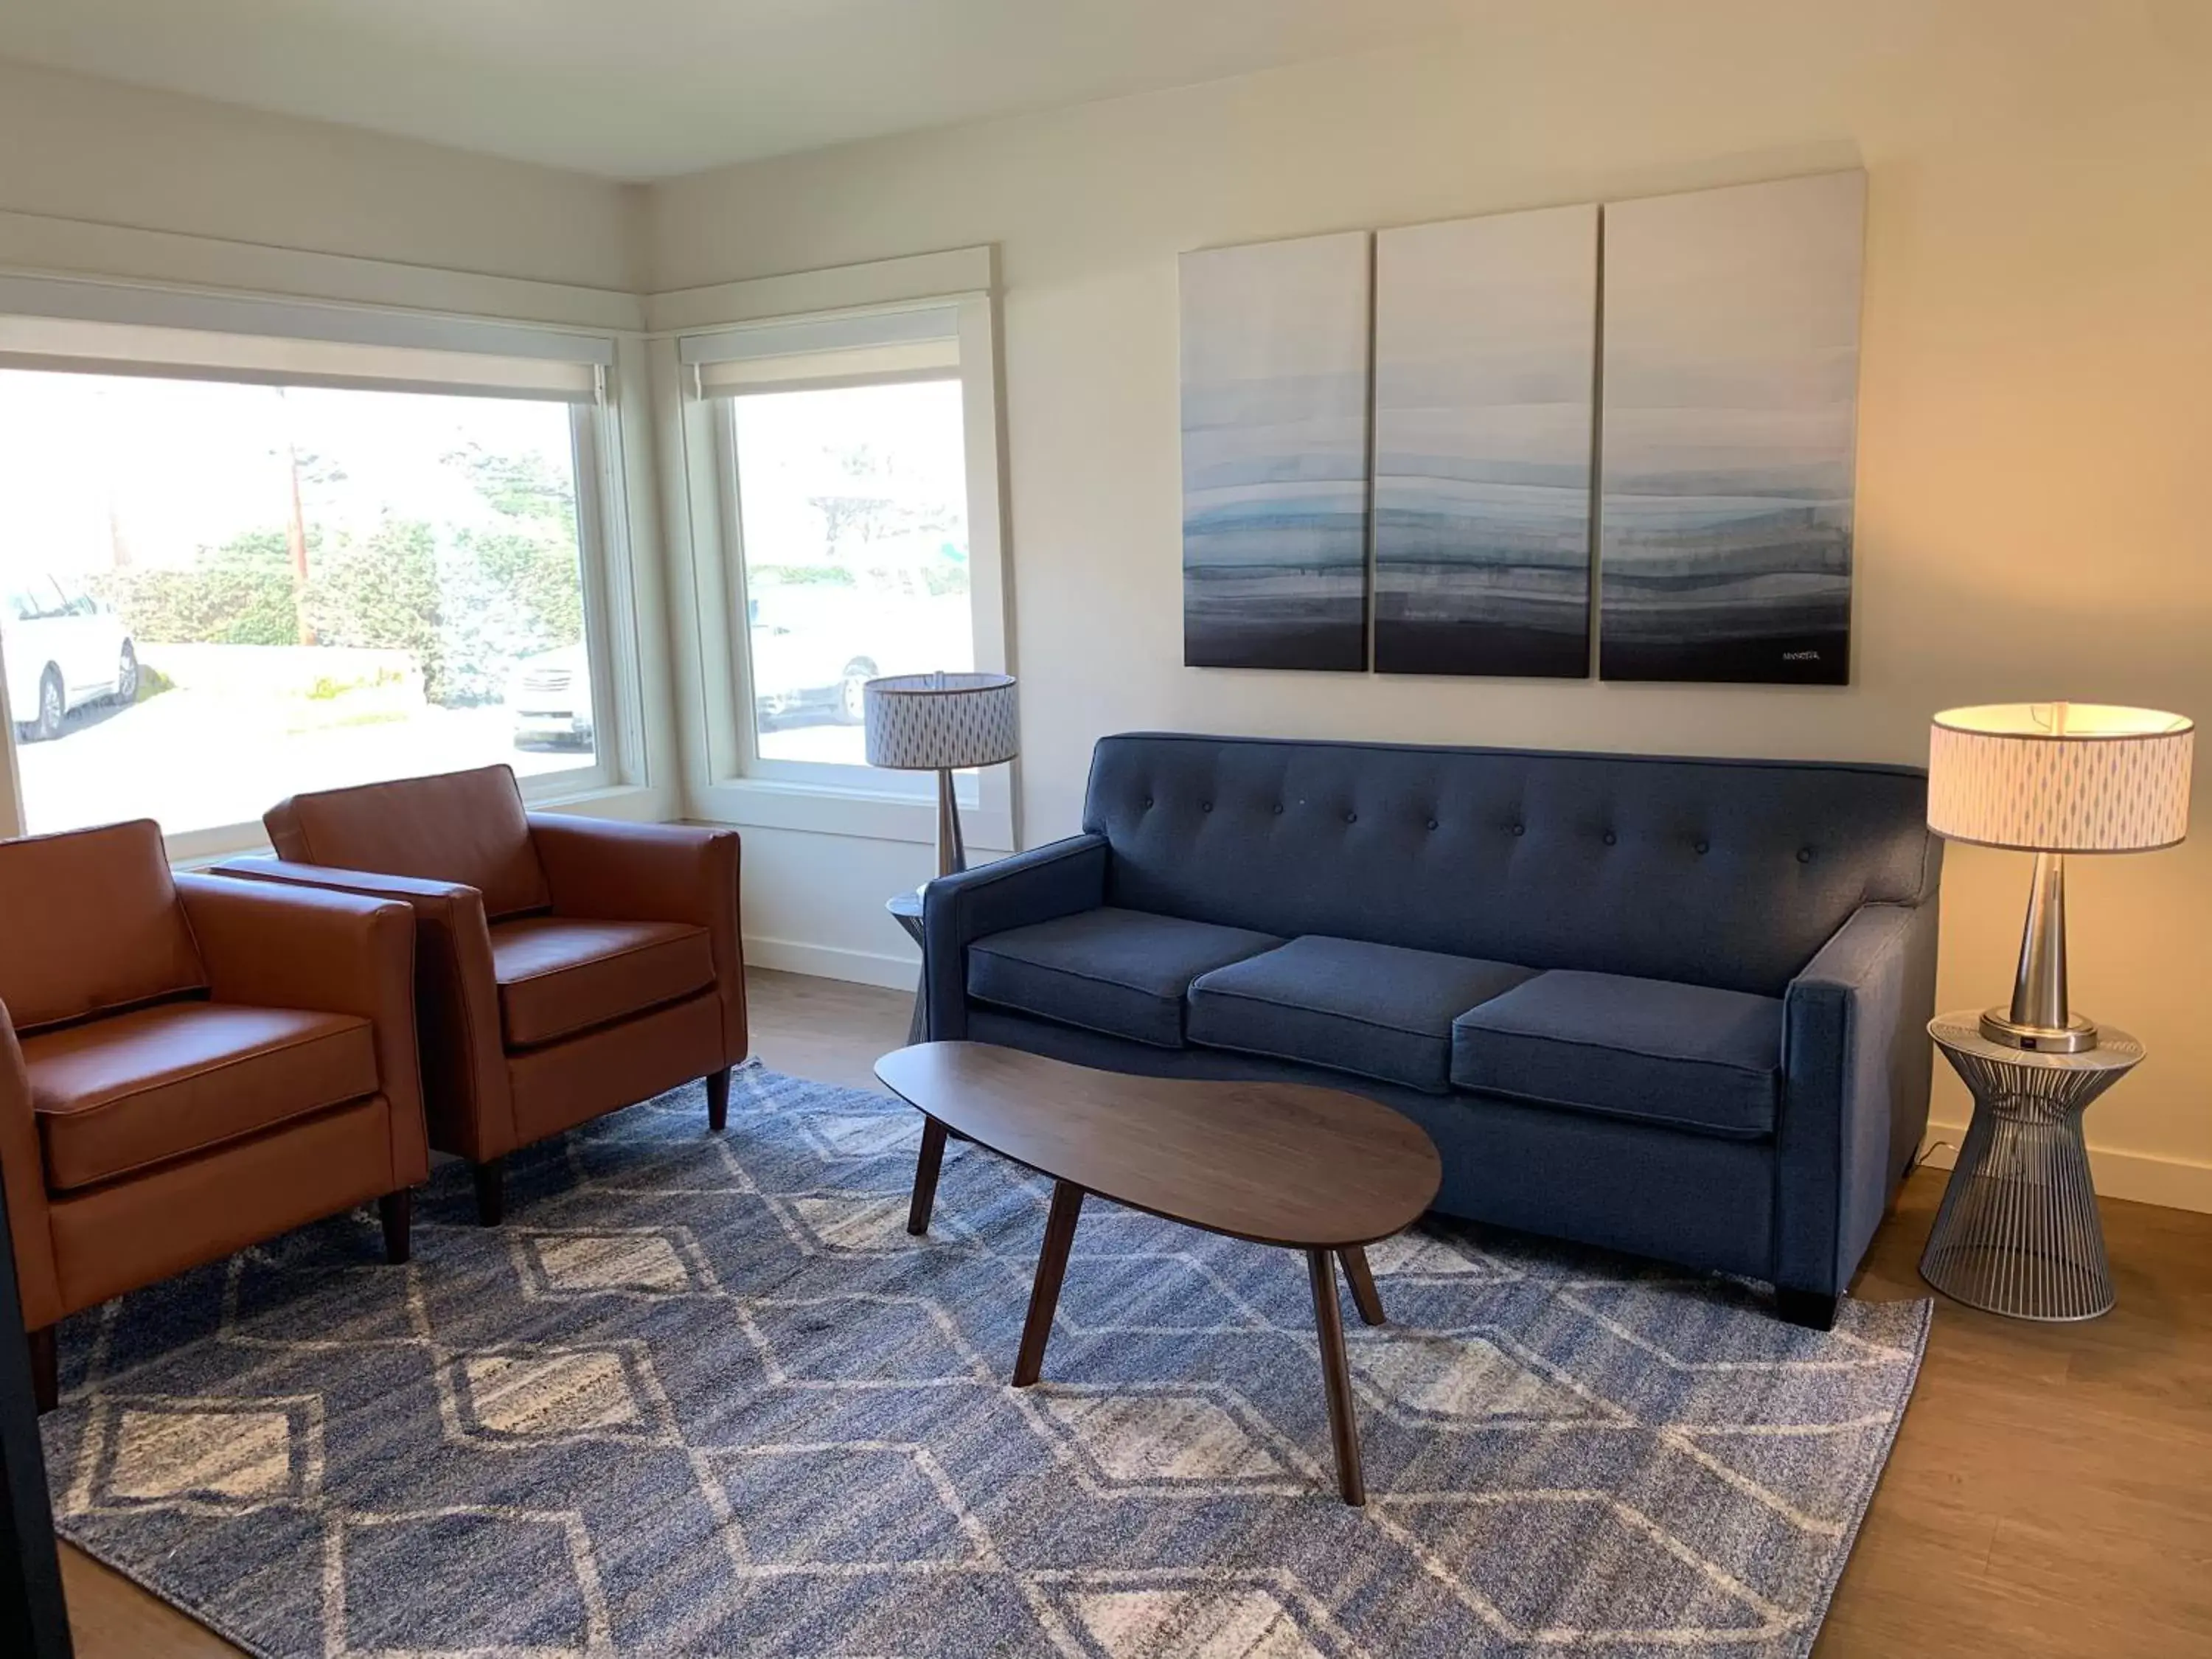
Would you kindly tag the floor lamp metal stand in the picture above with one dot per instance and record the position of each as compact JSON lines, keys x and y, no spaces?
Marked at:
{"x":940,"y":723}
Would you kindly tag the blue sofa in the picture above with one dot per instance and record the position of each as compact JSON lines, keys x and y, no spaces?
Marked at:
{"x":1673,"y":1008}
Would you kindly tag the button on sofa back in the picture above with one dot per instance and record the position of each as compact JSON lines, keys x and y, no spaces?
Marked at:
{"x":1671,"y":1006}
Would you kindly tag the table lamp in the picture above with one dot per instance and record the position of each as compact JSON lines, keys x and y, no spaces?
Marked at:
{"x":941,"y":723}
{"x":2051,"y":779}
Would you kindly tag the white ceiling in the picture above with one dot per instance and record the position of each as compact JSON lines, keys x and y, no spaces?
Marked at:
{"x":649,"y":89}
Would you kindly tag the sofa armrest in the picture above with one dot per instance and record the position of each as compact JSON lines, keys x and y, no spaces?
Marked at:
{"x":23,"y":1170}
{"x":614,"y":871}
{"x":465,"y":1097}
{"x":1058,"y":879}
{"x":1856,"y":1070}
{"x":336,"y":953}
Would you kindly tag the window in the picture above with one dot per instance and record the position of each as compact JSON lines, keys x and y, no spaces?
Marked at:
{"x":226,"y":585}
{"x":855,"y":462}
{"x":853,"y":509}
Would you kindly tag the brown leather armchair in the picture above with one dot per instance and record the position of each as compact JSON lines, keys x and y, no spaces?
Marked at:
{"x":565,"y":967}
{"x":189,"y":1067}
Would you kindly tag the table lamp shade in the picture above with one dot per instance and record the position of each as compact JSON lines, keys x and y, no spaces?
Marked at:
{"x":940,"y":722}
{"x":2060,"y":777}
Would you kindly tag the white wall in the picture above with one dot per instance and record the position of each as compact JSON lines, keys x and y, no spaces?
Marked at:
{"x":99,"y":152}
{"x":2034,"y":427}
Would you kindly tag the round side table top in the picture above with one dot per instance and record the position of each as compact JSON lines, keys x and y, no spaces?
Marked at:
{"x":1961,"y":1033}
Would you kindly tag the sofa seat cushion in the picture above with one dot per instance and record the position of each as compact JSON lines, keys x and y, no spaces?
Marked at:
{"x":1122,"y":972}
{"x":1684,"y":1055}
{"x":120,"y":1095}
{"x":1378,"y":1010}
{"x":561,"y":974}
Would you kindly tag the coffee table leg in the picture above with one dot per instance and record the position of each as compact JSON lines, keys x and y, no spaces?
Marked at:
{"x":1051,"y":1268}
{"x":1364,"y":1295}
{"x":1336,"y":1378}
{"x":925,"y":1175}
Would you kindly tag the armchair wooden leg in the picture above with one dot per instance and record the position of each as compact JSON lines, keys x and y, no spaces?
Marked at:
{"x":397,"y":1210}
{"x":718,"y":1100}
{"x":491,"y":1192}
{"x":46,"y":1370}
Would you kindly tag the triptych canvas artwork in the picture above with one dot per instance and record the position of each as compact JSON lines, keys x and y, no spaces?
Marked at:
{"x":1630,"y":427}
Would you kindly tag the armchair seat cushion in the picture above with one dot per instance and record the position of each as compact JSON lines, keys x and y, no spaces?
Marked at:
{"x":123,"y":1094}
{"x":1122,"y":972}
{"x":1377,"y":1011}
{"x":1687,"y":1056}
{"x":558,"y":975}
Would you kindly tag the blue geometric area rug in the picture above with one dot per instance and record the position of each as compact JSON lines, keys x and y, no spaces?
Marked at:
{"x":702,"y":1395}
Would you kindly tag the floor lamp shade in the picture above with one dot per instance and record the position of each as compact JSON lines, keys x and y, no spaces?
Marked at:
{"x":2052,"y":779}
{"x":942,"y":723}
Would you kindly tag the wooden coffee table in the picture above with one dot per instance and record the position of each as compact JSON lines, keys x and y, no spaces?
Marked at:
{"x":1311,"y":1169}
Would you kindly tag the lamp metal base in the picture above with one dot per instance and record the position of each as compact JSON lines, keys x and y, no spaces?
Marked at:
{"x":2077,"y":1036}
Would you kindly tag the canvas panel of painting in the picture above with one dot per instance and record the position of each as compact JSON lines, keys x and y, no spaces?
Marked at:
{"x":1731,"y":340}
{"x":1275,"y":454}
{"x":1486,"y":346}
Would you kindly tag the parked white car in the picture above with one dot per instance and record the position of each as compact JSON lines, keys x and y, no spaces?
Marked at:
{"x":814,"y":648}
{"x":63,"y":649}
{"x":550,"y":696}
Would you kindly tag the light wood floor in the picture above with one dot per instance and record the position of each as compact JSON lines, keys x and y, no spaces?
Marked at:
{"x":2051,"y":1492}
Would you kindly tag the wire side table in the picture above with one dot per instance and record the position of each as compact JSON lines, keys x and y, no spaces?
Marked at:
{"x":2018,"y":1232}
{"x":906,"y":910}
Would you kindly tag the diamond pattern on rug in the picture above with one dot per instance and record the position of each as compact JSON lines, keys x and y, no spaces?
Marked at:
{"x":199,"y":1453}
{"x":1460,"y":1376}
{"x":1162,"y":1436}
{"x":536,"y":1394}
{"x":1237,"y":1623}
{"x":637,"y":1263}
{"x":704,"y":1396}
{"x":241,"y":1454}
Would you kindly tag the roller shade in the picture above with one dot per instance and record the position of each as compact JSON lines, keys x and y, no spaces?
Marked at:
{"x":87,"y":328}
{"x":921,"y":344}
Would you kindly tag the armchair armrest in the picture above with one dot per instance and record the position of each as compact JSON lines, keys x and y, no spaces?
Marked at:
{"x":1856,"y":1066}
{"x":23,"y":1169}
{"x":614,"y":871}
{"x":338,"y":953}
{"x":465,"y":1097}
{"x":1057,"y":879}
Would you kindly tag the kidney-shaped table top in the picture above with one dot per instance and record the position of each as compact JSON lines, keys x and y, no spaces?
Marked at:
{"x":1276,"y":1163}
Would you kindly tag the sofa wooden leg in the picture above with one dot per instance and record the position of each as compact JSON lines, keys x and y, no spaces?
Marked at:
{"x":718,"y":1100}
{"x":46,"y":1370}
{"x":397,"y":1210}
{"x":1810,"y":1308}
{"x":491,"y":1192}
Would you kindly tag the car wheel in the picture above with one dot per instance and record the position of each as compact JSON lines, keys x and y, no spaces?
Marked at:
{"x":126,"y":675}
{"x":851,"y":692}
{"x":53,"y":706}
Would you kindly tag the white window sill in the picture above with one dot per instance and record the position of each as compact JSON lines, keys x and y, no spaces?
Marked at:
{"x":194,"y":850}
{"x":823,"y":809}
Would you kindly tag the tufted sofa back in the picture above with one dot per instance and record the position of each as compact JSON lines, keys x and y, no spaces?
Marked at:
{"x":1721,"y":872}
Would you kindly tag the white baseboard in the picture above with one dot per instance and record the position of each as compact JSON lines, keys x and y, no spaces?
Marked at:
{"x":2175,"y":1183}
{"x":793,"y":956}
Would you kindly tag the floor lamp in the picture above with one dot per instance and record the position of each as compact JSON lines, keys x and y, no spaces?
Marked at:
{"x":942,"y":723}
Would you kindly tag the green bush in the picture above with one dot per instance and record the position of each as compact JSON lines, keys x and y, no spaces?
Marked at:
{"x":239,"y":593}
{"x":465,"y":602}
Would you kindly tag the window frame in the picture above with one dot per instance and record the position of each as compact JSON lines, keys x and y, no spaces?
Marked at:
{"x":351,"y":340}
{"x":737,"y":785}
